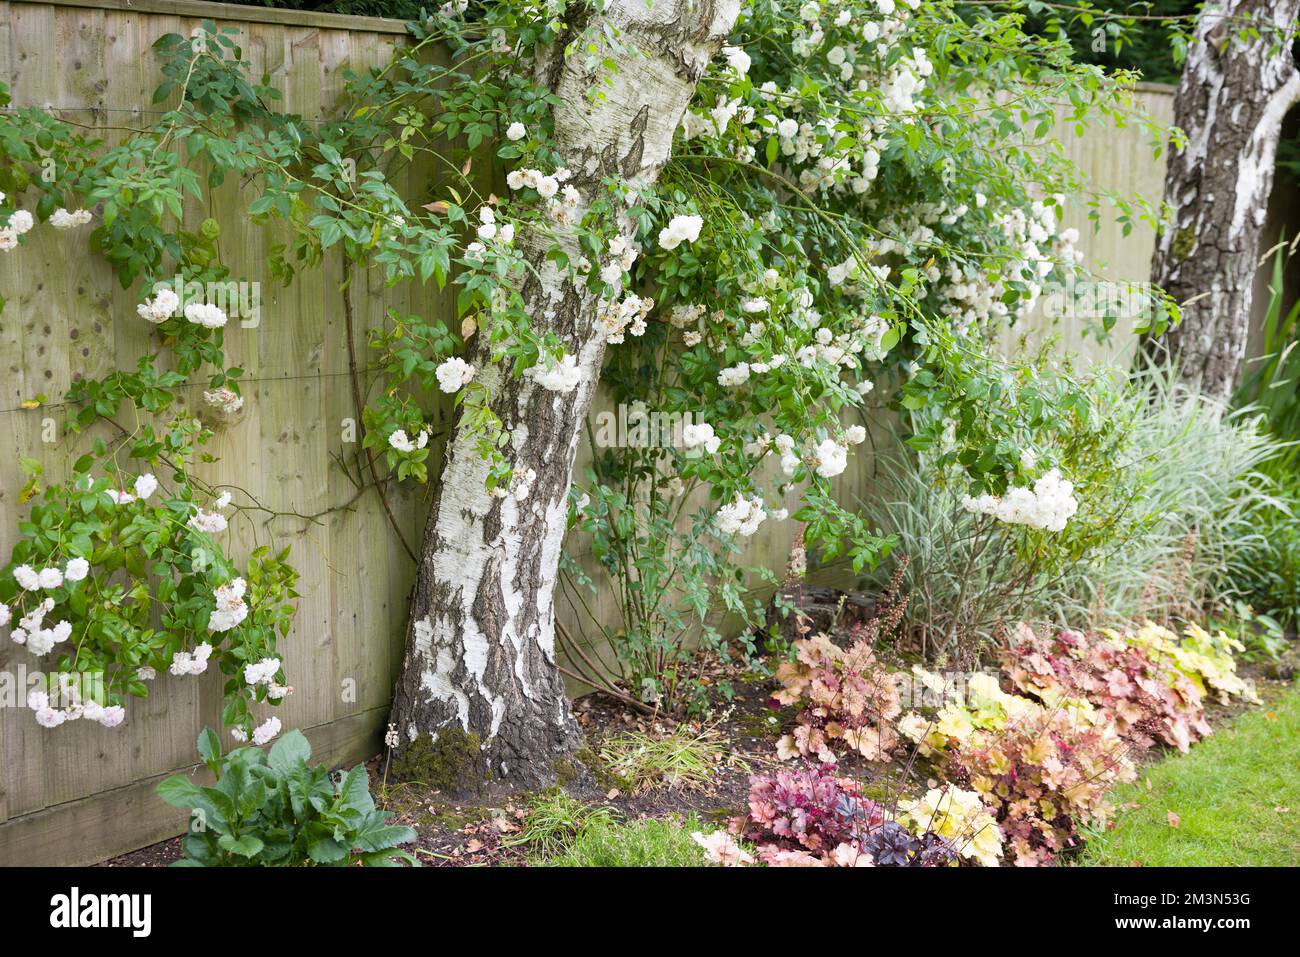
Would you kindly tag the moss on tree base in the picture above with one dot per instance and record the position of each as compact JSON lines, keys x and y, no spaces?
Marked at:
{"x":451,"y":760}
{"x":454,"y":761}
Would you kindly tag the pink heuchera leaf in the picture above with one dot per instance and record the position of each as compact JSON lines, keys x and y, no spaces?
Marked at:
{"x":721,"y":848}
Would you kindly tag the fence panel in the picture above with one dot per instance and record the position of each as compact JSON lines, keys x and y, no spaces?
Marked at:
{"x":82,"y":793}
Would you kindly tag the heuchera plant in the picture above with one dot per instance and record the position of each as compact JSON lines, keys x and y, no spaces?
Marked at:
{"x":982,"y":707}
{"x":1207,"y":660}
{"x":959,"y":818}
{"x":1045,"y":775}
{"x":847,"y":697}
{"x":810,"y":816}
{"x":1044,"y":767}
{"x":1147,"y":698}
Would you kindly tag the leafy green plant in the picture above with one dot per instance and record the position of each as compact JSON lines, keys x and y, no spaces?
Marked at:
{"x":670,"y":576}
{"x":969,"y":572}
{"x":1273,"y":384}
{"x":1262,"y":636}
{"x":1267,"y":573}
{"x":1172,"y":488}
{"x":139,"y":586}
{"x":275,"y":809}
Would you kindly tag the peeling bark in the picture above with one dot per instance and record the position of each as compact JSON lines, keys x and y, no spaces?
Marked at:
{"x":1230,"y":102}
{"x":480,"y":656}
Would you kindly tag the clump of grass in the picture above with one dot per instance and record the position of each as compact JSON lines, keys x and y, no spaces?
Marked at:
{"x":554,"y":820}
{"x":685,"y":759}
{"x":1170,"y":506}
{"x":654,"y":842}
{"x":1235,"y":800}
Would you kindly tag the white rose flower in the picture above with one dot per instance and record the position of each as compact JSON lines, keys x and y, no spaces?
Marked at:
{"x":679,"y":230}
{"x":76,"y":570}
{"x":145,"y":485}
{"x":454,"y":374}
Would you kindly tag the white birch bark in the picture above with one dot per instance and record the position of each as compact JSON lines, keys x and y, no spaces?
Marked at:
{"x":1230,"y":103}
{"x":479,"y":672}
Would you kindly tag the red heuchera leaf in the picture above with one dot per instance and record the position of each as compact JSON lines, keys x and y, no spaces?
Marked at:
{"x":807,"y":808}
{"x":1148,"y":699}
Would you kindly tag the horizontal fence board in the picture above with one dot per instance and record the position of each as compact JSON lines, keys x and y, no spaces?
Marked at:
{"x":96,"y":828}
{"x":241,"y":14}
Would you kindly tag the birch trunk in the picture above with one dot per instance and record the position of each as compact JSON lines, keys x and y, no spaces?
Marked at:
{"x":1230,"y":102}
{"x":479,"y":696}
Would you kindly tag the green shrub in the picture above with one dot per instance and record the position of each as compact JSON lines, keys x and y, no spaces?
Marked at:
{"x":1196,"y":491}
{"x":968,"y":572}
{"x":273,"y":809}
{"x":1271,"y":382}
{"x":1268,"y":574}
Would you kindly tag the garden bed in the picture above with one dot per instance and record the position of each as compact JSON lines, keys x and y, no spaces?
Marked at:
{"x":696,"y":776}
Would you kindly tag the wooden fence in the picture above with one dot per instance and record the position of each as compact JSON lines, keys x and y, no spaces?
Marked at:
{"x":82,"y":793}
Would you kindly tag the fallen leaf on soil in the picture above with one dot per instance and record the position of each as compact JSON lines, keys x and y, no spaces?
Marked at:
{"x":1174,"y":819}
{"x":611,"y":794}
{"x":474,"y":846}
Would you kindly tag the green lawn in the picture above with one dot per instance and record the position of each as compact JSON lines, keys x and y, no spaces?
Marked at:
{"x":1237,"y":797}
